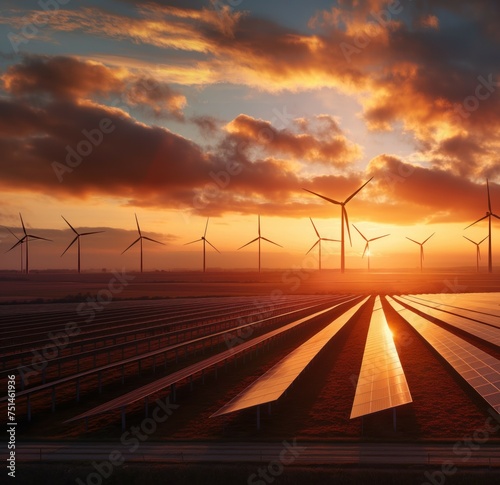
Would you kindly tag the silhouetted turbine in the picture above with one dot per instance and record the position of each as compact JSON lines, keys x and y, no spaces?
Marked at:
{"x":488,"y":216}
{"x":421,"y":249}
{"x":21,"y":245}
{"x":205,"y":240}
{"x":367,"y":246}
{"x":77,"y":238}
{"x":258,"y":238}
{"x":344,"y":221}
{"x":318,"y":243}
{"x":140,"y":238}
{"x":478,"y":252}
{"x":25,"y":239}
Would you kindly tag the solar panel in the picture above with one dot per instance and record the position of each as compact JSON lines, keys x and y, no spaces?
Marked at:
{"x":165,"y":382}
{"x":479,"y":369}
{"x":484,"y":332}
{"x":382,"y":382}
{"x":271,"y":385}
{"x":464,"y":305}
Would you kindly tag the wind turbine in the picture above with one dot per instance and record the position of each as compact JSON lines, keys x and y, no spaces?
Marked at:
{"x":21,"y":247}
{"x":25,"y":239}
{"x":344,"y":221}
{"x":318,"y":242}
{"x":421,"y":249}
{"x":478,"y":253}
{"x":77,"y":238}
{"x":140,"y":238}
{"x":368,"y":241}
{"x":205,"y":240}
{"x":488,"y":215}
{"x":258,"y":238}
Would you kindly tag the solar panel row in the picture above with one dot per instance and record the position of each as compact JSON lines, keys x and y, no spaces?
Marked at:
{"x":271,"y":385}
{"x":480,"y":330}
{"x":478,"y":368}
{"x":382,"y":382}
{"x":463,"y":305}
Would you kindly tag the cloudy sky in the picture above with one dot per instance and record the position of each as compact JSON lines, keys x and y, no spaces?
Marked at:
{"x":183,"y":110}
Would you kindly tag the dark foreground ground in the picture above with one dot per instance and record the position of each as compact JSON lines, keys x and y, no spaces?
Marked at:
{"x":215,"y":474}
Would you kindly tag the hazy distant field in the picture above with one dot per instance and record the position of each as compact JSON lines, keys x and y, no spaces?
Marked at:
{"x":71,"y":286}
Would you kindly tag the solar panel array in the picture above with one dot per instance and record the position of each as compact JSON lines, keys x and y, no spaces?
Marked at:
{"x":485,"y":332}
{"x":271,"y":385}
{"x":143,"y":392}
{"x":479,"y":369}
{"x":382,"y":382}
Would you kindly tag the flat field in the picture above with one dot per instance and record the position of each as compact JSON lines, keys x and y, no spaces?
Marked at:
{"x":316,"y":408}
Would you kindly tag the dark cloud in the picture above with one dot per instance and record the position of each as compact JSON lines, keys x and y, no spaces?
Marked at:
{"x":318,"y":140}
{"x":69,"y":78}
{"x":61,"y":77}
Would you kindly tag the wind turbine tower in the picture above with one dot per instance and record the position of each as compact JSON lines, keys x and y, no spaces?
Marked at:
{"x":77,"y":239}
{"x":478,"y":250}
{"x":367,"y":246}
{"x":25,"y":239}
{"x":140,"y":238}
{"x":259,"y":238}
{"x":205,"y":240}
{"x":344,"y":221}
{"x":421,"y":250}
{"x":318,"y":243}
{"x":489,"y":215}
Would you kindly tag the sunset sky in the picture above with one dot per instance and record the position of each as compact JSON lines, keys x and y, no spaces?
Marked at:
{"x":183,"y":110}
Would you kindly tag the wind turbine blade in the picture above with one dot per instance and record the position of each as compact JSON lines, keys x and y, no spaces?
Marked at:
{"x":366,"y":249}
{"x":71,"y":244}
{"x":489,"y":199}
{"x":315,"y":230}
{"x":317,"y":233}
{"x":252,"y":241}
{"x":360,"y":233}
{"x":473,"y":242}
{"x":136,"y":241}
{"x":38,"y":237}
{"x":192,"y":242}
{"x":153,"y":240}
{"x":347,"y":223}
{"x":206,"y":227}
{"x":422,"y":252}
{"x":332,"y":240}
{"x":89,"y":233}
{"x":17,"y":244}
{"x":272,"y":242}
{"x":352,"y":195}
{"x":482,"y":240}
{"x":72,"y":228}
{"x":208,"y":242}
{"x":11,"y":232}
{"x":379,"y":237}
{"x":413,"y":240}
{"x":494,"y":215}
{"x":479,"y":220}
{"x":478,"y":252}
{"x":323,"y":197}
{"x":428,"y":238}
{"x":137,"y":222}
{"x":22,"y":222}
{"x":259,"y":225}
{"x":313,"y":246}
